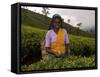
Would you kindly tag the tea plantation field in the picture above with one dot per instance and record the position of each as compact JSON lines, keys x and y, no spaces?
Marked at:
{"x":82,"y":51}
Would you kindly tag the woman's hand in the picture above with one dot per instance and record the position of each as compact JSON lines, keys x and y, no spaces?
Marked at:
{"x":56,"y":53}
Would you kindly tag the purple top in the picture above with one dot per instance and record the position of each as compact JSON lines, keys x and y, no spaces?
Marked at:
{"x":51,"y":37}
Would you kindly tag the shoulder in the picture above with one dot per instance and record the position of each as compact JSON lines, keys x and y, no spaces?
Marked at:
{"x":49,"y":32}
{"x":65,"y":31}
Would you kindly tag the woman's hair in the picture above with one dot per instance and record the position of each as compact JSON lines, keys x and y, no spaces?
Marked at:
{"x":55,"y":16}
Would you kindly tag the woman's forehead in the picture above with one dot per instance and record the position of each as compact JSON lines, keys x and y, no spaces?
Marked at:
{"x":56,"y":19}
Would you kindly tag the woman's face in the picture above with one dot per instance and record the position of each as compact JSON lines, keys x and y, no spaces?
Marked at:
{"x":57,"y":23}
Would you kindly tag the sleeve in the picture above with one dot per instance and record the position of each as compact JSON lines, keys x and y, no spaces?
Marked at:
{"x":47,"y":39}
{"x":66,"y":39}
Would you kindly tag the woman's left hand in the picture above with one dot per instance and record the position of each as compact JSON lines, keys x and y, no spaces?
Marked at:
{"x":59,"y":53}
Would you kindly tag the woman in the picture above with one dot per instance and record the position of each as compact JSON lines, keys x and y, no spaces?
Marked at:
{"x":56,"y":40}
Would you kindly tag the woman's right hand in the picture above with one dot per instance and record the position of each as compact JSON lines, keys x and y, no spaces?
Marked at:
{"x":54,"y":52}
{"x":57,"y":53}
{"x":51,"y":51}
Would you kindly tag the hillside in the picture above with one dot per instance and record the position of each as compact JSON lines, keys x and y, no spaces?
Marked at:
{"x":38,"y":20}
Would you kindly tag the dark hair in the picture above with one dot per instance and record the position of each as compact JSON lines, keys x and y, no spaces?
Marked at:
{"x":55,"y":16}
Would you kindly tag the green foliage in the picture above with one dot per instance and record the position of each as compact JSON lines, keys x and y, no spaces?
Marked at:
{"x":80,"y":47}
{"x":30,"y":40}
{"x":64,"y":63}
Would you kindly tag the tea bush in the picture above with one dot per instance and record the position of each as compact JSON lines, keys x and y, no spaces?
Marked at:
{"x":79,"y":46}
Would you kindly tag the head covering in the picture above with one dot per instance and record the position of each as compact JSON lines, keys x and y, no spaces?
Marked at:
{"x":53,"y":18}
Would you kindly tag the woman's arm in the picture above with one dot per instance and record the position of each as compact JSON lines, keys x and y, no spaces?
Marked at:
{"x":67,"y":43}
{"x":48,"y":50}
{"x":67,"y":46}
